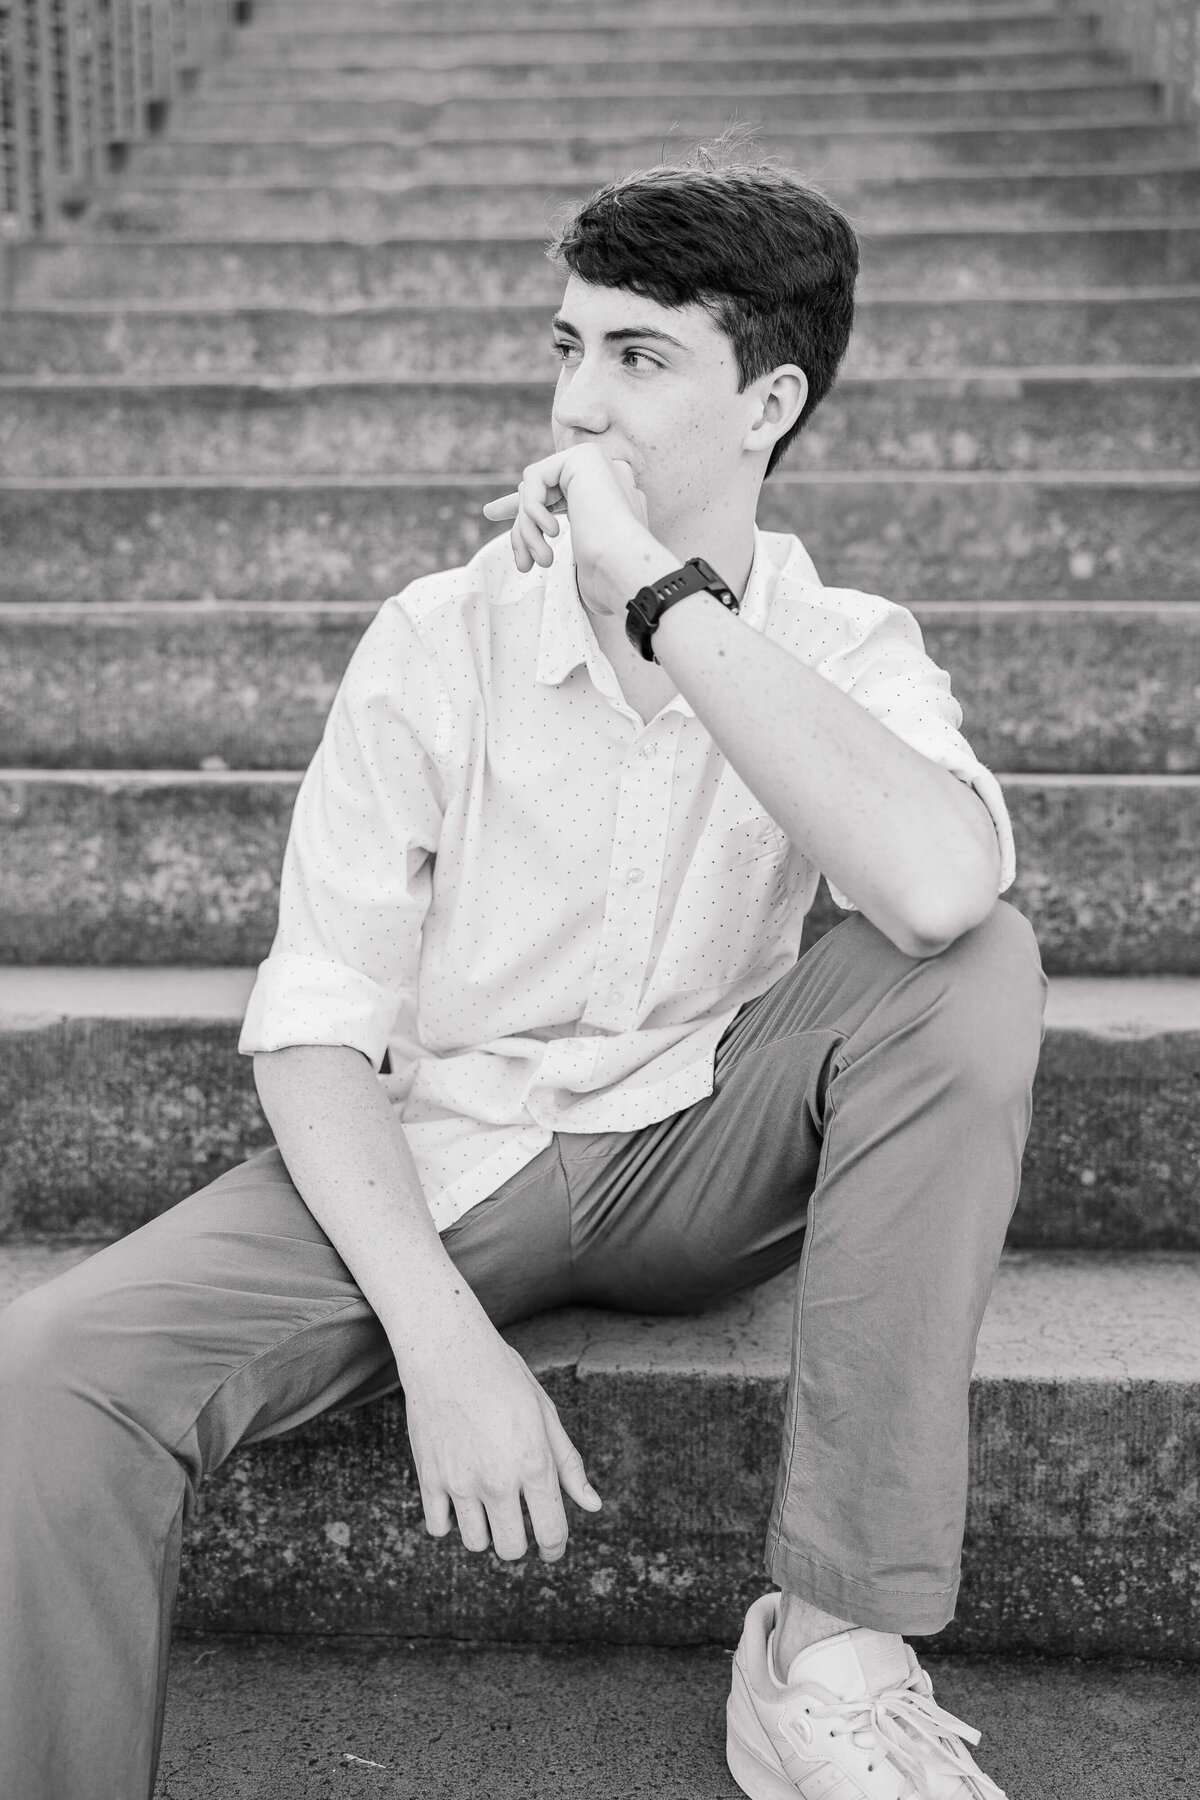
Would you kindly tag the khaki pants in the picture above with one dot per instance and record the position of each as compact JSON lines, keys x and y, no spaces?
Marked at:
{"x":867,"y":1123}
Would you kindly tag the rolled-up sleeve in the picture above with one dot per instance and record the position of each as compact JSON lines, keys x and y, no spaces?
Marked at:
{"x":357,"y":870}
{"x":887,"y":670}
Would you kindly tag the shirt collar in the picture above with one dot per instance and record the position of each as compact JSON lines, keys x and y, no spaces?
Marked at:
{"x":566,"y":638}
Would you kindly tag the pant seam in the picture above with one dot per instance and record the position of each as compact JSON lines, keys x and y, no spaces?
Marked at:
{"x":331,"y":1312}
{"x":810,"y":1236}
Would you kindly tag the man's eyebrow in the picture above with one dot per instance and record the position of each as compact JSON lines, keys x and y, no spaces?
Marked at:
{"x":624,"y":333}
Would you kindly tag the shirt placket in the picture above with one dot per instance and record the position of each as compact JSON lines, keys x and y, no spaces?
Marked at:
{"x":634,"y":878}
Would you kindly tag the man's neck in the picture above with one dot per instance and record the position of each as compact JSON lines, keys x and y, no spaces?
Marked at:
{"x":646,"y":687}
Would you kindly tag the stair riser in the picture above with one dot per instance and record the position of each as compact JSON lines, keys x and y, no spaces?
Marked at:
{"x":940,"y":264}
{"x":109,"y":1121}
{"x":122,"y":870}
{"x":521,"y":43}
{"x":889,"y":337}
{"x":658,"y":1566}
{"x":878,"y":152}
{"x":332,"y":212}
{"x":955,"y":538}
{"x":299,"y":65}
{"x":1016,"y":422}
{"x":313,"y":115}
{"x":1041,"y":691}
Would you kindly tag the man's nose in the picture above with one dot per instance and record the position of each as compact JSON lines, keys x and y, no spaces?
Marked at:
{"x":579,"y":400}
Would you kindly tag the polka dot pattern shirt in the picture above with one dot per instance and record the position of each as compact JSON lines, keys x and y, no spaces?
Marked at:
{"x":543,"y":909}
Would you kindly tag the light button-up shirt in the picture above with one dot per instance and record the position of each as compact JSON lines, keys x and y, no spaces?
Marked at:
{"x":544,"y":910}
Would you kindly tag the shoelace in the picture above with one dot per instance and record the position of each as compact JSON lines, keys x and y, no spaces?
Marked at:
{"x":914,"y":1728}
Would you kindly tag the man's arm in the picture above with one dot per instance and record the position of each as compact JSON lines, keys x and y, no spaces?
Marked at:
{"x":911,"y":844}
{"x":482,"y":1429}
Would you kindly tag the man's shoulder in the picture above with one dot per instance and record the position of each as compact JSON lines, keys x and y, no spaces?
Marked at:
{"x":488,"y":579}
{"x":835,"y":618}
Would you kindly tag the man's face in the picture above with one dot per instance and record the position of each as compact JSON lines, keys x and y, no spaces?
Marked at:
{"x":654,"y":386}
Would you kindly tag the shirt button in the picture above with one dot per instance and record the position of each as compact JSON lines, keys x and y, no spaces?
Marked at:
{"x":634,"y":876}
{"x":649,"y":750}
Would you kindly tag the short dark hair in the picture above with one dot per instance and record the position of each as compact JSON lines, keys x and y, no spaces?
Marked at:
{"x":767,"y":255}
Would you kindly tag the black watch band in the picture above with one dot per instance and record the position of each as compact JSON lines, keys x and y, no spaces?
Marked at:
{"x":650,"y":603}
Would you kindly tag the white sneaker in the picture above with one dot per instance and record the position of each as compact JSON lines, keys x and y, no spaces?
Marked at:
{"x":855,"y":1720}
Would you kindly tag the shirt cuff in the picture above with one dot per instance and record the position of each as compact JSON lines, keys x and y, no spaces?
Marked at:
{"x":306,"y":1000}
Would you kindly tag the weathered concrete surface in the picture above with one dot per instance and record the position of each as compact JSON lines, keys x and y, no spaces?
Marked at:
{"x":954,"y":261}
{"x":174,"y":866}
{"x":310,"y":109}
{"x":997,"y":536}
{"x":175,"y":685}
{"x":1078,"y":419}
{"x":213,"y":206}
{"x":124,"y":1093}
{"x":863,"y":150}
{"x":471,"y":35}
{"x":303,"y":1719}
{"x":511,"y":342}
{"x":277,"y":64}
{"x":1081,"y":1518}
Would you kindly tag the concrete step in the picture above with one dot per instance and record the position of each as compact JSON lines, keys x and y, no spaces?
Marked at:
{"x":1085,"y":687}
{"x":175,"y":866}
{"x":1127,"y":538}
{"x":314,"y":114}
{"x":433,"y":1718}
{"x":1081,"y":1516}
{"x":276,"y":64}
{"x":842,"y":151}
{"x":510,"y":342}
{"x":303,"y":16}
{"x":204,"y":207}
{"x":124,"y":1093}
{"x":521,"y":38}
{"x":612,"y":106}
{"x":989,"y":419}
{"x":1002,"y":259}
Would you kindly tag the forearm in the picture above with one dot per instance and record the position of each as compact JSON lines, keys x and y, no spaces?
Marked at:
{"x":348,"y":1156}
{"x":912,"y":845}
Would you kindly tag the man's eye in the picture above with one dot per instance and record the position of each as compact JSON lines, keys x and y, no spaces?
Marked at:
{"x":641,"y":359}
{"x":563,"y":350}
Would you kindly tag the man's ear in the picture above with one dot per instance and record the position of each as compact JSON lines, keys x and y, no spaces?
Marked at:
{"x":779,"y":398}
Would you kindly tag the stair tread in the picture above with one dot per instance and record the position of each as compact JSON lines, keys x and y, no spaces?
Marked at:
{"x":1060,"y":1315}
{"x":447,"y":1719}
{"x":1126,"y":1007}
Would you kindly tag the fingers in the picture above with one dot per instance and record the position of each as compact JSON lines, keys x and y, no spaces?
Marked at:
{"x":569,"y":1463}
{"x":472,"y":1525}
{"x":543,"y":1497}
{"x":532,"y":509}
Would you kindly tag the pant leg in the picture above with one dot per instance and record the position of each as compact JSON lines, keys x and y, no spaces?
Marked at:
{"x":868,"y":1117}
{"x":122,"y":1383}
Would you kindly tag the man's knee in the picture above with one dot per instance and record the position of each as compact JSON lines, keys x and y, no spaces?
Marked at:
{"x":43,"y":1347}
{"x":991,"y":1000}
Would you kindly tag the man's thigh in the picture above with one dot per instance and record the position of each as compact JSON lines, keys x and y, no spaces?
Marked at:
{"x":231,"y":1317}
{"x":676,"y":1215}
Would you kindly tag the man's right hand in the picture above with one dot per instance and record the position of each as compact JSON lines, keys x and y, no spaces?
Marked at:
{"x":484,"y":1432}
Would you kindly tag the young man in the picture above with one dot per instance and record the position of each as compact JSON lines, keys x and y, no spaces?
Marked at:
{"x":552,"y":860}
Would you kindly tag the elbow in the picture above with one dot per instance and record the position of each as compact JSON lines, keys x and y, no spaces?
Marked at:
{"x":941,"y":925}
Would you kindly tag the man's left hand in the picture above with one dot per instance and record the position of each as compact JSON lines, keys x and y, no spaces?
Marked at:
{"x":613,"y":546}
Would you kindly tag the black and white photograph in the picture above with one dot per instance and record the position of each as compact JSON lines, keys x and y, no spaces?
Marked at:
{"x":599,"y":899}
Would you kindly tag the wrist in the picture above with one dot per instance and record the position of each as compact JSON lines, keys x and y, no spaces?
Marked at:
{"x":634,"y":560}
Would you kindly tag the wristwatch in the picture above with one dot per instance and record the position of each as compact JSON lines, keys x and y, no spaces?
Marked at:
{"x":650,"y":603}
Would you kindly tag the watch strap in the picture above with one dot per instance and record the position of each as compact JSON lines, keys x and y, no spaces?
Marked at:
{"x":650,"y":603}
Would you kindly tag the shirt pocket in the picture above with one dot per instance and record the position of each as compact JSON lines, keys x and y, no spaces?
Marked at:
{"x":748,"y":842}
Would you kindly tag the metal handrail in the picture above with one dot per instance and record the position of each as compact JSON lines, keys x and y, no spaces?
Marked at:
{"x":1162,"y":40}
{"x":80,"y":78}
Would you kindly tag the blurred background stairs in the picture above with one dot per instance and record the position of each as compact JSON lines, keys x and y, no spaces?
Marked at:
{"x":269,"y":373}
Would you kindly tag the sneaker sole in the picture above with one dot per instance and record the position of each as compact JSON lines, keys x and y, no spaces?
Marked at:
{"x":753,"y":1777}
